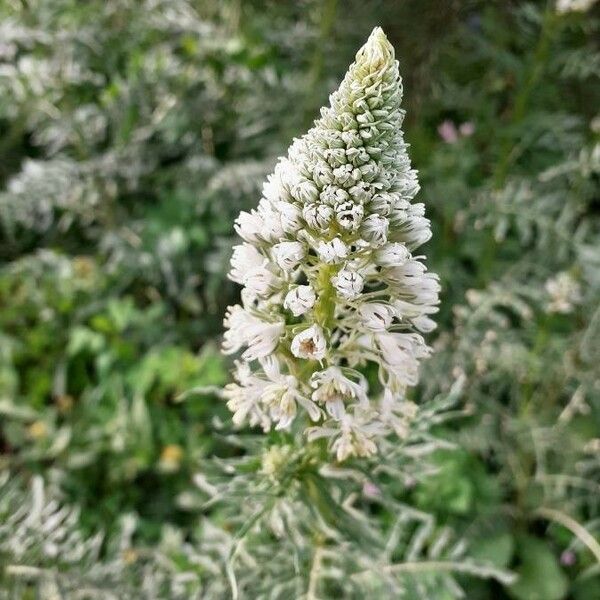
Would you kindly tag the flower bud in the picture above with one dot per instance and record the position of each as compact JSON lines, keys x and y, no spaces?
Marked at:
{"x":374,"y":229}
{"x":332,"y":195}
{"x":336,"y":157}
{"x":322,"y":174}
{"x":342,"y":174}
{"x":376,"y":316}
{"x":305,"y":191}
{"x":317,"y":216}
{"x":349,"y":215}
{"x":332,"y":252}
{"x":360,"y":192}
{"x":288,"y":254}
{"x":384,"y":203}
{"x":349,"y":284}
{"x":358,"y":156}
{"x":392,"y":255}
{"x":352,"y":139}
{"x":290,"y":216}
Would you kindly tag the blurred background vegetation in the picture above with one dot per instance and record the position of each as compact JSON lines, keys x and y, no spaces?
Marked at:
{"x":132,"y":132}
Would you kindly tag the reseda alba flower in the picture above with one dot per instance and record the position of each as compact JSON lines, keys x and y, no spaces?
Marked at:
{"x":330,"y":280}
{"x":300,"y":299}
{"x":310,"y":344}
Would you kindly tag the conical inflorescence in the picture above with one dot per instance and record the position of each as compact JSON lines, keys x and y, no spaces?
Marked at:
{"x":331,"y":283}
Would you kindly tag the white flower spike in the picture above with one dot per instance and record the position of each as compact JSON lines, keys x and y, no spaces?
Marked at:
{"x":330,"y":280}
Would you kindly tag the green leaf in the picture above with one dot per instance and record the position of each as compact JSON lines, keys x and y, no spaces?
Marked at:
{"x":540,"y":576}
{"x":586,"y":588}
{"x":82,"y":338}
{"x":497,"y":549}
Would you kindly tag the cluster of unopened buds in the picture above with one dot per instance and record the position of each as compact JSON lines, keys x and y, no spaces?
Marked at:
{"x":331,"y":285}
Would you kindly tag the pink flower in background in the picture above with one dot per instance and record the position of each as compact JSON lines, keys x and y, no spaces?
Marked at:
{"x":370,"y":490}
{"x":467,"y":129}
{"x":568,"y":558}
{"x":448,"y":132}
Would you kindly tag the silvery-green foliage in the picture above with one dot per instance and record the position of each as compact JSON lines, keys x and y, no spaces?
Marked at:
{"x":524,"y":302}
{"x":121,"y":102}
{"x":300,"y":524}
{"x":300,"y":531}
{"x":330,"y":280}
{"x":44,"y":550}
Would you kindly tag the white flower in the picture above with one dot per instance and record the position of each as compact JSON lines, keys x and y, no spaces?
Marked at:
{"x":352,"y":139}
{"x":353,"y":441}
{"x":288,"y":254}
{"x":369,"y":171}
{"x":288,"y":175}
{"x":348,"y":283}
{"x":358,"y":156}
{"x":564,"y":292}
{"x":565,"y":6}
{"x":361,"y":192}
{"x":310,"y":344}
{"x":353,"y":435}
{"x":374,"y":229}
{"x":400,"y":354}
{"x":424,"y":323}
{"x":267,"y":396}
{"x":243,"y":398}
{"x":274,"y":191}
{"x":397,"y":412}
{"x":343,"y":173}
{"x":384,"y":203}
{"x":245,"y":329}
{"x":414,"y":228}
{"x":322,"y":175}
{"x":412,"y":311}
{"x":305,"y":191}
{"x":376,"y":316}
{"x":261,"y":225}
{"x":413,"y":283}
{"x":335,"y":156}
{"x":300,"y":299}
{"x":282,"y":393}
{"x":249,"y":267}
{"x":332,"y":252}
{"x":334,"y":389}
{"x":291,"y":217}
{"x":261,"y":282}
{"x":349,"y":215}
{"x":245,"y":258}
{"x":247,"y":226}
{"x":392,"y":255}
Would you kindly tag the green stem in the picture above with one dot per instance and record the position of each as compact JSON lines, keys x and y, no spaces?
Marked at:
{"x":508,"y":153}
{"x":536,"y":69}
{"x":325,"y":307}
{"x":541,"y":339}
